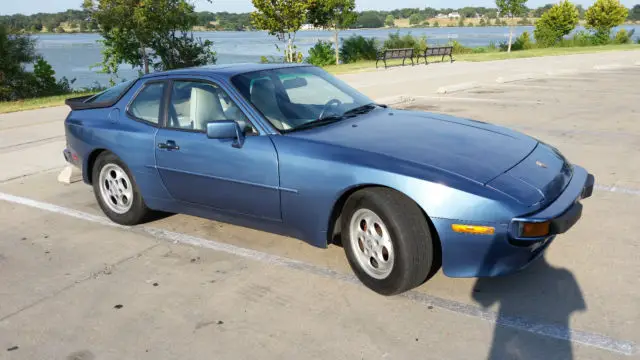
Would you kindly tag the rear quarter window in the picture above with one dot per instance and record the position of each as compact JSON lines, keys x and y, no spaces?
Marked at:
{"x":111,"y":94}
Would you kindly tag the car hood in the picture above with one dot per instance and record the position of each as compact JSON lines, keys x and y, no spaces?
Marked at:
{"x":467,"y":148}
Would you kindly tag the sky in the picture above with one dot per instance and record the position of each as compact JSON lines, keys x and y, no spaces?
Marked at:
{"x":27,"y":7}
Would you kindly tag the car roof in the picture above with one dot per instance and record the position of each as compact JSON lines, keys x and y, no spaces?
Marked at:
{"x":226,"y":70}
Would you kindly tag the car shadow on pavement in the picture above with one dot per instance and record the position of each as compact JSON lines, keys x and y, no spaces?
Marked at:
{"x":541,"y":294}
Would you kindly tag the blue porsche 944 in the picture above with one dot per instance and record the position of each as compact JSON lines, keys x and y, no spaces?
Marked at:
{"x":290,"y":149}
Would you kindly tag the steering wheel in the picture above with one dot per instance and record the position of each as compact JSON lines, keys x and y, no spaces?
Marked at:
{"x":332,"y":102}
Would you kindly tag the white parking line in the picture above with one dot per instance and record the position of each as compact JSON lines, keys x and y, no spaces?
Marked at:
{"x":617,"y":189}
{"x":516,"y":322}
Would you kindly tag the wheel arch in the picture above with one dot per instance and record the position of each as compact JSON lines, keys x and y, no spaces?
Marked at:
{"x":89,"y":162}
{"x":333,"y":229}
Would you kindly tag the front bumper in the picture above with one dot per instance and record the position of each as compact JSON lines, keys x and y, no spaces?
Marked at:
{"x":466,"y":255}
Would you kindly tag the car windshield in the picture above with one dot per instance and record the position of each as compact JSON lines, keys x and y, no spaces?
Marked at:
{"x":297,"y":98}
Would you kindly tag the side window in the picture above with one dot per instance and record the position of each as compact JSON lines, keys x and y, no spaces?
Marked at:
{"x":146,"y":105}
{"x":193,"y":104}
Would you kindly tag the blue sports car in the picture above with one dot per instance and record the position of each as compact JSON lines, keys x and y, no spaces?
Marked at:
{"x":292,"y":150}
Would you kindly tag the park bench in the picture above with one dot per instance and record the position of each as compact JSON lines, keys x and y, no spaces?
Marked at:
{"x":436,"y":51}
{"x":389,"y":54}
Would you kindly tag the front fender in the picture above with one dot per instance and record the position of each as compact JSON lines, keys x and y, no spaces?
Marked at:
{"x":315,"y":178}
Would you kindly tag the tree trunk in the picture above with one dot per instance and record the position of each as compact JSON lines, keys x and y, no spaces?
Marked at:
{"x":289,"y":51}
{"x":145,"y":59}
{"x":510,"y":35}
{"x":335,"y":40}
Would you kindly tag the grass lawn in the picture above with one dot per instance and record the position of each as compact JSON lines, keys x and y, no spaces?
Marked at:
{"x":490,"y":56}
{"x":36,"y":103}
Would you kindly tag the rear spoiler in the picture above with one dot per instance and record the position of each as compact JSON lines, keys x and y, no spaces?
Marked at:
{"x":78,"y":103}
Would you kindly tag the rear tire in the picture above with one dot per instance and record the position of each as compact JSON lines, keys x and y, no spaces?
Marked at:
{"x":116,"y":191}
{"x":387,"y":240}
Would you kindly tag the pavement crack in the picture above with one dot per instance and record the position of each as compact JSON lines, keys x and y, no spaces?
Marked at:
{"x":108,"y":269}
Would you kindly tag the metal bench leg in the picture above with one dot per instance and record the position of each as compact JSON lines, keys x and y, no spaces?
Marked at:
{"x":442,"y":60}
{"x":412,"y":61}
{"x":451,"y":57}
{"x":385,"y":63}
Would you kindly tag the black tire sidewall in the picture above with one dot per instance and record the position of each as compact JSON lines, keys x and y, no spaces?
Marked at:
{"x":138,"y":211}
{"x":402,"y":276}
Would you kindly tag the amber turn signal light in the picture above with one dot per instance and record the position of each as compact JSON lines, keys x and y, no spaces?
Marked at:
{"x":473,"y":229}
{"x":532,"y":230}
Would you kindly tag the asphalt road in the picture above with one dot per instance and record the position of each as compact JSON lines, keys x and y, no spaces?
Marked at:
{"x":74,"y":286}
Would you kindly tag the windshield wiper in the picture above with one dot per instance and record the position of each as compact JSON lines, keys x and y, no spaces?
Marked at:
{"x":320,"y":122}
{"x":325,"y":120}
{"x":362,"y":109}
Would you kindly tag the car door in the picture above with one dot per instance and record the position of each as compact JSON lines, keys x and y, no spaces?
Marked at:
{"x":212,"y":172}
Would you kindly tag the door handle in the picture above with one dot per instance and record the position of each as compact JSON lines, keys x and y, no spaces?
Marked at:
{"x":169,"y":145}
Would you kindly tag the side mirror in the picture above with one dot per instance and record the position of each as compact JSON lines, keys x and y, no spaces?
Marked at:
{"x":226,"y":129}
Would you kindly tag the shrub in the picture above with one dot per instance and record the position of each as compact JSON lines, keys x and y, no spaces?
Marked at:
{"x":555,"y":23}
{"x":322,"y":54}
{"x":523,"y":42}
{"x":357,"y":47}
{"x":459,"y":48}
{"x":580,"y":38}
{"x":395,"y":41}
{"x":624,"y":37}
{"x":603,"y":16}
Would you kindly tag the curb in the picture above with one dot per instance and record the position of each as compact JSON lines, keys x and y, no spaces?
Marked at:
{"x":70,"y":175}
{"x":512,"y":78}
{"x":457,"y":87}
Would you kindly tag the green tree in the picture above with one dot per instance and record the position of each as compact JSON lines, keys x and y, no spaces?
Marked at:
{"x":16,"y":51}
{"x":482,"y":22}
{"x":634,"y":14}
{"x":557,"y":22}
{"x":335,"y":15}
{"x":369,"y":20}
{"x":282,"y":18}
{"x":82,"y":26}
{"x":511,"y":9}
{"x":415,"y":19}
{"x":390,"y":21}
{"x":138,"y":32}
{"x":604,"y":15}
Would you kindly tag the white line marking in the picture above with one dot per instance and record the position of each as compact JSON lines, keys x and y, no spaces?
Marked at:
{"x":516,"y":322}
{"x":617,"y":189}
{"x":497,"y":101}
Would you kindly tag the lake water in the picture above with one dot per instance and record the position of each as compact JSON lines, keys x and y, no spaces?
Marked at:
{"x":72,"y":55}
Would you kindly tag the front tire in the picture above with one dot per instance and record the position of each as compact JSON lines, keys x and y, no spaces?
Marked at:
{"x":387,"y":240}
{"x":116,"y":191}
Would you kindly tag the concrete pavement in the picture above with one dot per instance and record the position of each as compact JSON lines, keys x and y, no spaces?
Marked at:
{"x":197,"y":289}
